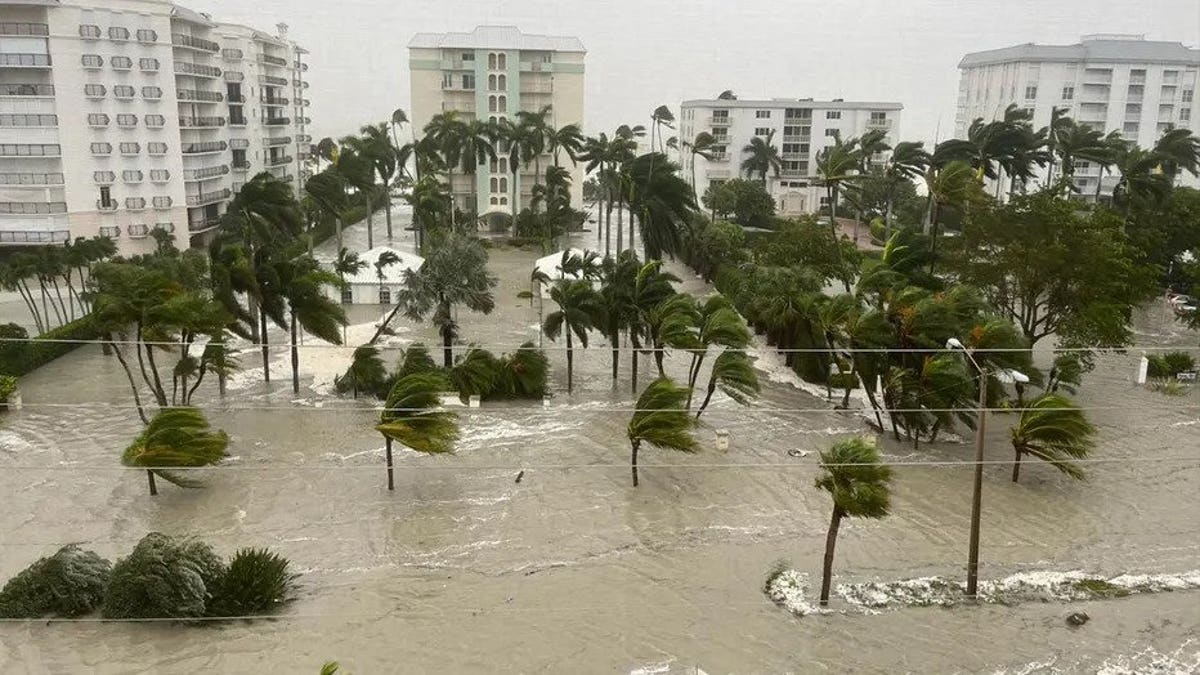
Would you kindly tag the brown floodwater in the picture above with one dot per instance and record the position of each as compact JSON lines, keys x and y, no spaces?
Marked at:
{"x":462,"y":569}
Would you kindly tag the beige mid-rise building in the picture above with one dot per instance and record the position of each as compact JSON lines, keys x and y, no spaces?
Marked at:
{"x":122,"y":117}
{"x":492,"y":73}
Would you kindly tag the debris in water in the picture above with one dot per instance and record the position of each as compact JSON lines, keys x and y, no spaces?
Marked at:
{"x":1077,"y":618}
{"x":520,"y":475}
{"x":798,"y":453}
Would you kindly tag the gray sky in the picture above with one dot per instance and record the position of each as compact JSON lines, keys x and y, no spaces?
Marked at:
{"x":646,"y":53}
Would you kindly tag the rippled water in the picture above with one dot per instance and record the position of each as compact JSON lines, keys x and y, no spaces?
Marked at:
{"x":461,"y":569}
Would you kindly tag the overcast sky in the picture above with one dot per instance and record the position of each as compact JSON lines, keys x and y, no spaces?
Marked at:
{"x":650,"y":52}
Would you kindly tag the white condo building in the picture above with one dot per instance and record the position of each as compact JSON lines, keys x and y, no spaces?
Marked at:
{"x":1119,"y":83}
{"x":492,"y":73}
{"x":802,"y":128}
{"x":120,"y":117}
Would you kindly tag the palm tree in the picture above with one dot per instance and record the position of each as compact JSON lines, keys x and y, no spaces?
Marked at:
{"x":383,"y":153}
{"x":618,"y":279}
{"x":727,"y":95}
{"x":567,"y":138}
{"x":1179,"y":149}
{"x":327,"y":149}
{"x":538,"y":130}
{"x":445,"y":131}
{"x":661,"y":420}
{"x":412,"y":416}
{"x":1078,"y":142}
{"x":719,"y":325}
{"x":1059,"y":122}
{"x":478,"y":142}
{"x":366,"y":372}
{"x":431,"y":206}
{"x":661,"y":117}
{"x":672,"y":323}
{"x":303,"y":285}
{"x":1140,"y":177}
{"x":578,"y":307}
{"x":348,"y":264}
{"x":1054,"y":430}
{"x":858,"y":483}
{"x":907,"y":161}
{"x":835,"y":164}
{"x":176,"y":438}
{"x":701,"y":146}
{"x":328,"y":190}
{"x":651,"y":286}
{"x":763,"y":159}
{"x":357,"y":168}
{"x":732,"y":371}
{"x":663,"y":201}
{"x":1114,"y":143}
{"x":386,"y":259}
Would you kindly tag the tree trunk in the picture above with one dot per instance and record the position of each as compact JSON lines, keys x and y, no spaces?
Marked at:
{"x":295,"y":358}
{"x":447,"y":348}
{"x":1016,"y":465}
{"x":137,"y":400}
{"x":265,"y":342}
{"x":388,"y":451}
{"x":634,"y":349}
{"x":887,"y":221}
{"x":693,"y":375}
{"x":616,"y":352}
{"x":150,"y":480}
{"x":620,"y":225}
{"x":388,"y":212}
{"x":570,"y":363}
{"x":337,"y":225}
{"x":37,"y":318}
{"x":370,"y":223}
{"x":633,"y":461}
{"x":660,"y":351}
{"x":830,"y":542}
{"x":712,"y":386}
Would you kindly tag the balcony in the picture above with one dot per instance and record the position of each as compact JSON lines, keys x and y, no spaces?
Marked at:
{"x":203,"y":148}
{"x":879,"y":124}
{"x":205,"y":198}
{"x":272,"y":80}
{"x":201,"y":96}
{"x":34,"y":237}
{"x":7,"y":89}
{"x":237,"y":98}
{"x":720,"y":121}
{"x":1097,"y":76}
{"x":232,"y":54}
{"x":304,"y":103}
{"x":536,"y":88}
{"x":272,"y":60}
{"x":192,"y":42}
{"x":16,"y":28}
{"x":299,"y":83}
{"x":163,"y":202}
{"x":797,"y":139}
{"x":276,"y":101}
{"x":30,"y":179}
{"x":279,"y":160}
{"x":791,"y":173}
{"x":282,"y":140}
{"x":24,"y":60}
{"x":201,"y":122}
{"x":101,"y":205}
{"x":277,"y":121}
{"x":135,"y":203}
{"x":241,"y":165}
{"x":204,"y":225}
{"x":720,"y":158}
{"x":196,"y":69}
{"x":208,"y":172}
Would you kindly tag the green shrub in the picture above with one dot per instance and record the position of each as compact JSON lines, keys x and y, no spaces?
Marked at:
{"x":730,"y":281}
{"x":163,"y":578}
{"x":8,"y":384}
{"x":20,"y":358}
{"x":255,"y":582}
{"x":525,"y":374}
{"x":1179,"y":362}
{"x":476,"y":374}
{"x":69,"y":583}
{"x":843,"y":381}
{"x":416,"y":360}
{"x":366,"y":374}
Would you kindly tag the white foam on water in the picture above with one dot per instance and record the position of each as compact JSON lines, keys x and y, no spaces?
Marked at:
{"x":789,"y":589}
{"x":1183,"y":661}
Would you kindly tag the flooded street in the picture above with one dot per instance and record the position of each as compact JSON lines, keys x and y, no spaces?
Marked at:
{"x":572,"y":570}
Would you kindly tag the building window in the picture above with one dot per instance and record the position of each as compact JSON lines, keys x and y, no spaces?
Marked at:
{"x":762,"y":131}
{"x":124,"y":91}
{"x":118,"y":33}
{"x":878,"y":116}
{"x":121,"y":62}
{"x":503,"y":82}
{"x":151,"y":93}
{"x":1068,"y":93}
{"x":1130,"y":128}
{"x":159,"y":175}
{"x":155,"y":121}
{"x":131,"y":176}
{"x":494,"y":201}
{"x":104,"y":176}
{"x":32,"y":208}
{"x":147,"y":35}
{"x":89,"y":31}
{"x":1031,"y":91}
{"x":385,"y":296}
{"x":130,"y":148}
{"x":1185,"y":114}
{"x":1135,"y":92}
{"x":491,"y":104}
{"x":28,"y":120}
{"x":491,"y":83}
{"x":92,"y":61}
{"x":148,"y":64}
{"x":138,"y":230}
{"x":101,"y":148}
{"x":495,"y":183}
{"x":468,"y":81}
{"x":110,"y":231}
{"x":157,"y":148}
{"x":491,"y":61}
{"x":1187,"y":95}
{"x":762,"y":114}
{"x":468,"y":56}
{"x":502,"y":61}
{"x":833,"y":114}
{"x":1137,"y":74}
{"x":503,"y":184}
{"x":106,"y":201}
{"x":347,"y":296}
{"x":125,"y":120}
{"x":832,"y":133}
{"x":501,"y":104}
{"x":1133,"y":109}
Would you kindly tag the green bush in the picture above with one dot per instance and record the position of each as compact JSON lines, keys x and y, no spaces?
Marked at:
{"x":8,"y":384}
{"x":525,"y":374}
{"x":1170,"y":364}
{"x":843,"y":381}
{"x":69,"y":583}
{"x":417,"y":359}
{"x":20,"y":358}
{"x":163,"y":578}
{"x":476,"y":374}
{"x":255,"y":582}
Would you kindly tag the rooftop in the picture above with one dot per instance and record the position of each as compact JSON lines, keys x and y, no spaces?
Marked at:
{"x":791,"y":103}
{"x":1091,"y":48}
{"x":392,"y":274}
{"x":496,"y":37}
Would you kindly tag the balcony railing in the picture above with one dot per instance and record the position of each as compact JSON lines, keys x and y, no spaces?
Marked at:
{"x":208,"y":197}
{"x":8,"y":89}
{"x":275,"y":101}
{"x":25,"y":60}
{"x":31,"y":179}
{"x":720,"y":157}
{"x":720,"y":121}
{"x":797,"y":139}
{"x":279,"y":161}
{"x":196,"y":69}
{"x":201,"y":122}
{"x":302,"y":66}
{"x":17,"y":28}
{"x":192,"y":42}
{"x":879,"y":124}
{"x":241,"y":165}
{"x":277,"y":81}
{"x":232,"y":54}
{"x":237,"y":98}
{"x":277,"y":121}
{"x":110,"y":206}
{"x":282,"y":140}
{"x":197,"y":95}
{"x":205,"y":173}
{"x":272,"y":60}
{"x":792,"y":173}
{"x":207,"y":146}
{"x":204,"y":225}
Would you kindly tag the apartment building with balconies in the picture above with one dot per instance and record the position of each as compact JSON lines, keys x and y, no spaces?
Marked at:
{"x":113,"y":121}
{"x":799,"y":128}
{"x":492,"y":73}
{"x":1122,"y":83}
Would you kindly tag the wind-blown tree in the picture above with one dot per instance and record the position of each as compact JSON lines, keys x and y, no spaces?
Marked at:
{"x":1076,"y":142}
{"x":303,"y":282}
{"x":413,"y":417}
{"x":385,"y":260}
{"x":651,"y":287}
{"x":859,"y":484}
{"x":357,"y":168}
{"x":617,"y":310}
{"x":578,"y":307}
{"x":1141,"y":179}
{"x":177,"y":438}
{"x":701,"y":146}
{"x":478,"y":146}
{"x":763,"y":159}
{"x":567,"y":139}
{"x":455,"y":273}
{"x":661,"y":420}
{"x":445,"y":132}
{"x":672,"y":323}
{"x":1054,"y":430}
{"x":328,"y":191}
{"x":1178,"y":150}
{"x":365,"y":374}
{"x":733,"y":372}
{"x":661,"y":117}
{"x":663,"y":202}
{"x":347,"y":264}
{"x":382,"y":152}
{"x":431,"y":206}
{"x":538,"y":131}
{"x":836,"y":165}
{"x":1059,"y":123}
{"x":908,"y":161}
{"x":719,"y":325}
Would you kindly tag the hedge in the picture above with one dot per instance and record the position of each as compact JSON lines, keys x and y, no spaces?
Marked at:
{"x":25,"y":357}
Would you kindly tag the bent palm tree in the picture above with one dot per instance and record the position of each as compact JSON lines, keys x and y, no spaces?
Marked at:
{"x":176,"y":438}
{"x":412,"y":417}
{"x":662,"y":420}
{"x":763,"y":159}
{"x":1054,"y":430}
{"x":734,"y":373}
{"x":578,"y":307}
{"x":858,"y":483}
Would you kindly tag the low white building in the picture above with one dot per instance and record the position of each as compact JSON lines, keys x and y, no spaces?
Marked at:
{"x":373,"y":285}
{"x":551,"y":266}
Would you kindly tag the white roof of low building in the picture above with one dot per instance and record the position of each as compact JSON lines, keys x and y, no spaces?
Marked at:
{"x":550,"y":265}
{"x":496,"y":37}
{"x":1096,"y":48}
{"x":392,"y":274}
{"x":791,"y":103}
